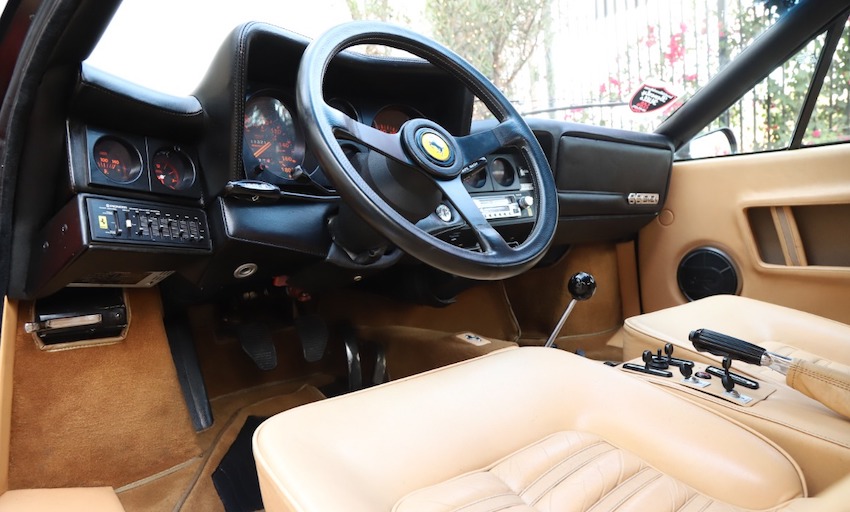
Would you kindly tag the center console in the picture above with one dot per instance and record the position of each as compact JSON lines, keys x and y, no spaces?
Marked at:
{"x":814,"y":435}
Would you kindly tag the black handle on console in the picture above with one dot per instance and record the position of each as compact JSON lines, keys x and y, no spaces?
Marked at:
{"x":705,"y":340}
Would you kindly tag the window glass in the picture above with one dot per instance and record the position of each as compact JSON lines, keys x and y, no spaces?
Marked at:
{"x":830,"y":120}
{"x":764,"y":119}
{"x":574,"y":60}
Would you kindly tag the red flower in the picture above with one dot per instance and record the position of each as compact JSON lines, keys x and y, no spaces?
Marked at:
{"x":676,"y":49}
{"x":650,"y":38}
{"x":816,"y":133}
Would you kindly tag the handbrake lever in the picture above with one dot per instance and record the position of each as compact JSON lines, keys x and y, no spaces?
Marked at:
{"x":713,"y":342}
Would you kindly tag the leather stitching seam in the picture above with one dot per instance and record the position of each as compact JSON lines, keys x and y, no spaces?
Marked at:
{"x":484,"y":500}
{"x":632,"y":494}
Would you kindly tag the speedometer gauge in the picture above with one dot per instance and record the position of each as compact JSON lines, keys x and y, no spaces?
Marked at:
{"x":271,"y":140}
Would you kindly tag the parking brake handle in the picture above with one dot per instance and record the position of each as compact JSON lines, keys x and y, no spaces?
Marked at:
{"x":713,"y":342}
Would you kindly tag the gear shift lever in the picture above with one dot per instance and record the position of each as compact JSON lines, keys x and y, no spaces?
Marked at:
{"x":582,"y":286}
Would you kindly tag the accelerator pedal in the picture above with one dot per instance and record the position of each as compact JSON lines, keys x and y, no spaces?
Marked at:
{"x":256,"y":340}
{"x":313,"y":333}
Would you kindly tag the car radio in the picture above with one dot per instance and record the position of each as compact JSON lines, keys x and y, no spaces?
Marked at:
{"x":503,"y":207}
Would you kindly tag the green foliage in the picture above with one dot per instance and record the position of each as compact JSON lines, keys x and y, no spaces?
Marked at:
{"x":379,"y":10}
{"x":496,"y":36}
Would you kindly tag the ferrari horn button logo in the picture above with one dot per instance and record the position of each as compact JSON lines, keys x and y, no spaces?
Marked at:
{"x":435,"y":146}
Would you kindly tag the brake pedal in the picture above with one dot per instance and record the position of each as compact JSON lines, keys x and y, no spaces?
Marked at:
{"x":313,"y":333}
{"x":256,"y":340}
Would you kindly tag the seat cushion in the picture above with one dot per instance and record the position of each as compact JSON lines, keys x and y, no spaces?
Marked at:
{"x":567,"y":471}
{"x":776,"y":328}
{"x":367,"y":450}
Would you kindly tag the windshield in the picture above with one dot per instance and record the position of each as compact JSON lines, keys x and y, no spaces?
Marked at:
{"x":619,"y":63}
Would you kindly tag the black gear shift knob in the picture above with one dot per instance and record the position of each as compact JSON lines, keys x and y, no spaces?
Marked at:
{"x":582,"y":286}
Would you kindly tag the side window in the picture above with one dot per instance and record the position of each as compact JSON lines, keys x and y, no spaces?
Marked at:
{"x":765,"y":118}
{"x":830,"y":120}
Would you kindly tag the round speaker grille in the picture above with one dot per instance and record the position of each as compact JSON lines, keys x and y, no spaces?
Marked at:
{"x":707,"y":271}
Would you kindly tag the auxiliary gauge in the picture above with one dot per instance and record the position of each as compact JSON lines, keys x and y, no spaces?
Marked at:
{"x":173,"y":168}
{"x":117,"y":160}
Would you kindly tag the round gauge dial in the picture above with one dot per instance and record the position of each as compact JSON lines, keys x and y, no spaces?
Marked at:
{"x":117,"y":160}
{"x":271,"y":142}
{"x":173,"y":168}
{"x":344,"y":107}
{"x":476,"y":179}
{"x":390,"y":119}
{"x":502,"y":171}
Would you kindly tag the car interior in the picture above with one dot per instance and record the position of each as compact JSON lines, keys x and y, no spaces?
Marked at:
{"x":317,"y":284}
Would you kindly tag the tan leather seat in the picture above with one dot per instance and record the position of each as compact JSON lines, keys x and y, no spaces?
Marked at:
{"x":778,"y":329}
{"x":521,"y":429}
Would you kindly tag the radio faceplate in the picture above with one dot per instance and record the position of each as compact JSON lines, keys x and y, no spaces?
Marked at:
{"x":499,"y":207}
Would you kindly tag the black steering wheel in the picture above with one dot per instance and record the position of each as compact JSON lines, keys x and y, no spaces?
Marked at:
{"x":430,"y":149}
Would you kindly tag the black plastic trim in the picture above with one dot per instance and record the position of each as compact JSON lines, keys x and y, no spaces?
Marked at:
{"x":188,"y":368}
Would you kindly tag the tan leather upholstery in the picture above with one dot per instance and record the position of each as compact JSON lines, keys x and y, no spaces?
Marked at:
{"x":808,"y":430}
{"x":776,"y":328}
{"x":79,"y":499}
{"x":829,"y":386}
{"x":368,"y":450}
{"x":707,"y":204}
{"x":565,"y":471}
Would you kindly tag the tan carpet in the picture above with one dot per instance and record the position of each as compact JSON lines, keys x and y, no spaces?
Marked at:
{"x":189,"y":487}
{"x":540,"y":296}
{"x":484,"y":310}
{"x":412,"y":350}
{"x":227,"y":368}
{"x":100,"y":415}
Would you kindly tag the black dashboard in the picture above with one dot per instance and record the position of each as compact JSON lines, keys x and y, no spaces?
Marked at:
{"x":222,"y":189}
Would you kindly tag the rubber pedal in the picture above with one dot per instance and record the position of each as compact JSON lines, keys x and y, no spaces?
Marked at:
{"x":313,"y":333}
{"x":256,"y":340}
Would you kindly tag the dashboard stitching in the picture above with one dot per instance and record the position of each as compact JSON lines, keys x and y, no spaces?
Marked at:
{"x":240,"y":72}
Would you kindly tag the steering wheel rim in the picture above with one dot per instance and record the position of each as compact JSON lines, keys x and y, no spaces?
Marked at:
{"x":496,"y":260}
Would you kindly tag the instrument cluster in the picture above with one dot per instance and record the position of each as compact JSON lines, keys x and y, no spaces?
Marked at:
{"x":273,"y":143}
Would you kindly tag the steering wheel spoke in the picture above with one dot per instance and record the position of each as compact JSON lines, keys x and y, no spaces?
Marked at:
{"x":388,"y":144}
{"x":489,"y":239}
{"x":478,"y":145}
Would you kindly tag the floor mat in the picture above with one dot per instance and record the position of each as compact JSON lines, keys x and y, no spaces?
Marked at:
{"x":235,"y":479}
{"x":191,"y":488}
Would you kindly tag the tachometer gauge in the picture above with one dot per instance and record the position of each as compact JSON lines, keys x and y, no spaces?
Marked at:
{"x":118,"y":161}
{"x":390,"y":119}
{"x":271,"y":140}
{"x":173,"y":168}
